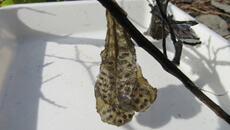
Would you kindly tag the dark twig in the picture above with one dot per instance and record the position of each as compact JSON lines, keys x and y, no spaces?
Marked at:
{"x":164,"y":39}
{"x":165,"y":5}
{"x":119,"y":15}
{"x":180,"y":31}
{"x":162,"y":6}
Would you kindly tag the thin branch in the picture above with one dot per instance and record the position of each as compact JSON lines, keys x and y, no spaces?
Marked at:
{"x":164,"y":39}
{"x":162,"y":6}
{"x":165,"y":18}
{"x":121,"y":17}
{"x":163,"y":26}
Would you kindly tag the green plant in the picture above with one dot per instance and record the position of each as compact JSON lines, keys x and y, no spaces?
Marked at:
{"x":10,"y":2}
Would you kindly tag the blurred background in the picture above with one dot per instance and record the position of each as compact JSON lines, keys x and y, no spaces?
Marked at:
{"x":213,"y":13}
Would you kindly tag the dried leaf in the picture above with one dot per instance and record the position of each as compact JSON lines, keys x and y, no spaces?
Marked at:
{"x":121,"y":88}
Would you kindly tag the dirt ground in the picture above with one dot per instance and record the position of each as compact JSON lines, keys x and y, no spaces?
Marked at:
{"x":208,"y":8}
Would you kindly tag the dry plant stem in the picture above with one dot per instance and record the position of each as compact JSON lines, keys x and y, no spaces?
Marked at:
{"x":164,"y":39}
{"x":162,"y":6}
{"x":163,"y":30}
{"x":119,"y":15}
{"x":165,"y":19}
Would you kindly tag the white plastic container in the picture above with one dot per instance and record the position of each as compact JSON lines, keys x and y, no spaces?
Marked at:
{"x":50,"y":57}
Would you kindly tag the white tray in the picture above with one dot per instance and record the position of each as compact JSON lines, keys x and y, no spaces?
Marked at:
{"x":50,"y":57}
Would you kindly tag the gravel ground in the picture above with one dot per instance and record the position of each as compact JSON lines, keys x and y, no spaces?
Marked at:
{"x":213,"y":13}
